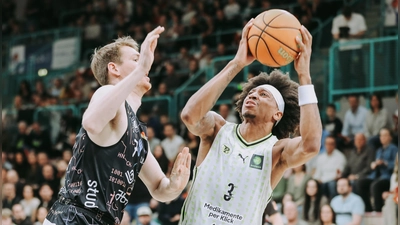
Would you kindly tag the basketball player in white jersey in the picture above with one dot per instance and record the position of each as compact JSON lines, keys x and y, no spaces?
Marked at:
{"x":238,"y":165}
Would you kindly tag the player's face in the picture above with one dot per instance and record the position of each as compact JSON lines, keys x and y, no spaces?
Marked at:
{"x":129,"y":58}
{"x":259,"y":103}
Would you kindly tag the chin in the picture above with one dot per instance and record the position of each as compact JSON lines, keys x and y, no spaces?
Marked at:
{"x":248,"y":115}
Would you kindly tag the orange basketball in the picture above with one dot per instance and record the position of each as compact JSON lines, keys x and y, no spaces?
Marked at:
{"x":271,"y":39}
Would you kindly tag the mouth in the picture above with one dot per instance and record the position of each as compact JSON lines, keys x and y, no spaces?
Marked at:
{"x":250,"y":103}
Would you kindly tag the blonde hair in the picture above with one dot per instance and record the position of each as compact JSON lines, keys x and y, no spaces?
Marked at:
{"x":109,"y":53}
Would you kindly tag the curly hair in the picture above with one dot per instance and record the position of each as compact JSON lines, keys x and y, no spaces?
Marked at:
{"x":291,"y":117}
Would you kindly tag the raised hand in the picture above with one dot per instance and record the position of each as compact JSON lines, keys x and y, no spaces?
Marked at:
{"x":302,"y":62}
{"x":148,"y":47}
{"x":243,"y":56}
{"x":181,"y":171}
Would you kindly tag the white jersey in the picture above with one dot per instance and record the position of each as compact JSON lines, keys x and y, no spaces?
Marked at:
{"x":232,"y":184}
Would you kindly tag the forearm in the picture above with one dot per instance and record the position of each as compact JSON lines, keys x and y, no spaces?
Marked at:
{"x":310,"y":122}
{"x":205,"y":98}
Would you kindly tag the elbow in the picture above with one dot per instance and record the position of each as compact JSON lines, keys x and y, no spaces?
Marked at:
{"x":186,"y":118}
{"x":90,"y":126}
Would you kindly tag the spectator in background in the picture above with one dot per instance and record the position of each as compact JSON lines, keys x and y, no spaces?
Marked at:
{"x":297,"y":184}
{"x":354,"y":119}
{"x":21,"y":164}
{"x":378,"y":181}
{"x":349,"y":207}
{"x":12,"y":177}
{"x":40,"y":139}
{"x":152,"y":139}
{"x":395,"y":118}
{"x":376,"y":119}
{"x":358,"y":161}
{"x":169,"y":213}
{"x":49,"y":177}
{"x":389,"y":211}
{"x":46,"y":196}
{"x":272,"y":215}
{"x":329,"y":167}
{"x":56,"y":87}
{"x":349,"y":26}
{"x":6,"y":218}
{"x":140,"y":197}
{"x":145,"y":216}
{"x":41,"y":214}
{"x":33,"y":170}
{"x":225,"y":110}
{"x":391,"y":13}
{"x":22,"y":141}
{"x":161,"y":158}
{"x":172,"y":143}
{"x":19,"y":216}
{"x":292,"y":215}
{"x":29,"y":202}
{"x":9,"y":196}
{"x":327,"y":215}
{"x":6,"y":164}
{"x":193,"y":143}
{"x":313,"y":201}
{"x":332,"y":124}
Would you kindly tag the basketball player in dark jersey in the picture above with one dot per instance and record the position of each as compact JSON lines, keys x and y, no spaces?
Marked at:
{"x":111,"y":149}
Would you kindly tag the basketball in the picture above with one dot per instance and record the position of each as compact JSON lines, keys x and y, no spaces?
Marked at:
{"x":271,"y":39}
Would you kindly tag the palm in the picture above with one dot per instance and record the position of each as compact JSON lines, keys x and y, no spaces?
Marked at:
{"x":181,"y":171}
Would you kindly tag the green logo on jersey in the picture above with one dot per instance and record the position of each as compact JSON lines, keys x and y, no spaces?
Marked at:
{"x":226,"y":149}
{"x":256,"y":161}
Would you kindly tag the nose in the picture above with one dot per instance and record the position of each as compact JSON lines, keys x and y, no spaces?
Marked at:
{"x":252,"y":96}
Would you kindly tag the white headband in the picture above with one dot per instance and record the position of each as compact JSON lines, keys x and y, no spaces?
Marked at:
{"x":277,"y":96}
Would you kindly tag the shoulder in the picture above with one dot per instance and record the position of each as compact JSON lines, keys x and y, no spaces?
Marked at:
{"x":335,"y":200}
{"x":356,"y":198}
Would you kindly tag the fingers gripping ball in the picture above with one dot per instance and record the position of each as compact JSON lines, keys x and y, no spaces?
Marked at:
{"x":272,"y":38}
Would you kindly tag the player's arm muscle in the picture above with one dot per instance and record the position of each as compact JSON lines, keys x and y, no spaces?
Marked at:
{"x":196,"y":114}
{"x":299,"y":150}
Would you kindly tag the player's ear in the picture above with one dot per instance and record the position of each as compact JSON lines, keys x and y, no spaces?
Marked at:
{"x":277,"y":116}
{"x":113,"y":69}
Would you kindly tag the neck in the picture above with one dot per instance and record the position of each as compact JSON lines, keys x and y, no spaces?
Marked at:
{"x":345,"y":195}
{"x":329,"y":153}
{"x":252,"y":131}
{"x":326,"y":223}
{"x":375,"y":110}
{"x":354,"y":109}
{"x":385,"y":145}
{"x":312,"y":198}
{"x":292,"y":222}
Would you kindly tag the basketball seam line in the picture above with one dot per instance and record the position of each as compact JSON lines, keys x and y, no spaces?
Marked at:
{"x":259,"y":37}
{"x":275,"y":38}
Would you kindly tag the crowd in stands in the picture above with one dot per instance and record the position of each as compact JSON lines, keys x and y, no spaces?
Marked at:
{"x":357,"y":162}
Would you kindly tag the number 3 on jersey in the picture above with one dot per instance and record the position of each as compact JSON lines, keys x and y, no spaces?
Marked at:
{"x":228,"y":196}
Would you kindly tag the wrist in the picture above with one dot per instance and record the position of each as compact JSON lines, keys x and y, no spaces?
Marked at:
{"x":237,"y":63}
{"x":304,"y":79}
{"x":307,"y":95}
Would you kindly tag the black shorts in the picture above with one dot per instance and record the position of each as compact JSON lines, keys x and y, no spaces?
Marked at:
{"x":70,"y":214}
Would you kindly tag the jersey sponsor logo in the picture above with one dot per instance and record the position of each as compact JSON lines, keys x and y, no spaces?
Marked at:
{"x":256,"y":161}
{"x":217,"y":213}
{"x":91,"y":196}
{"x":243,"y":158}
{"x":226,"y":149}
